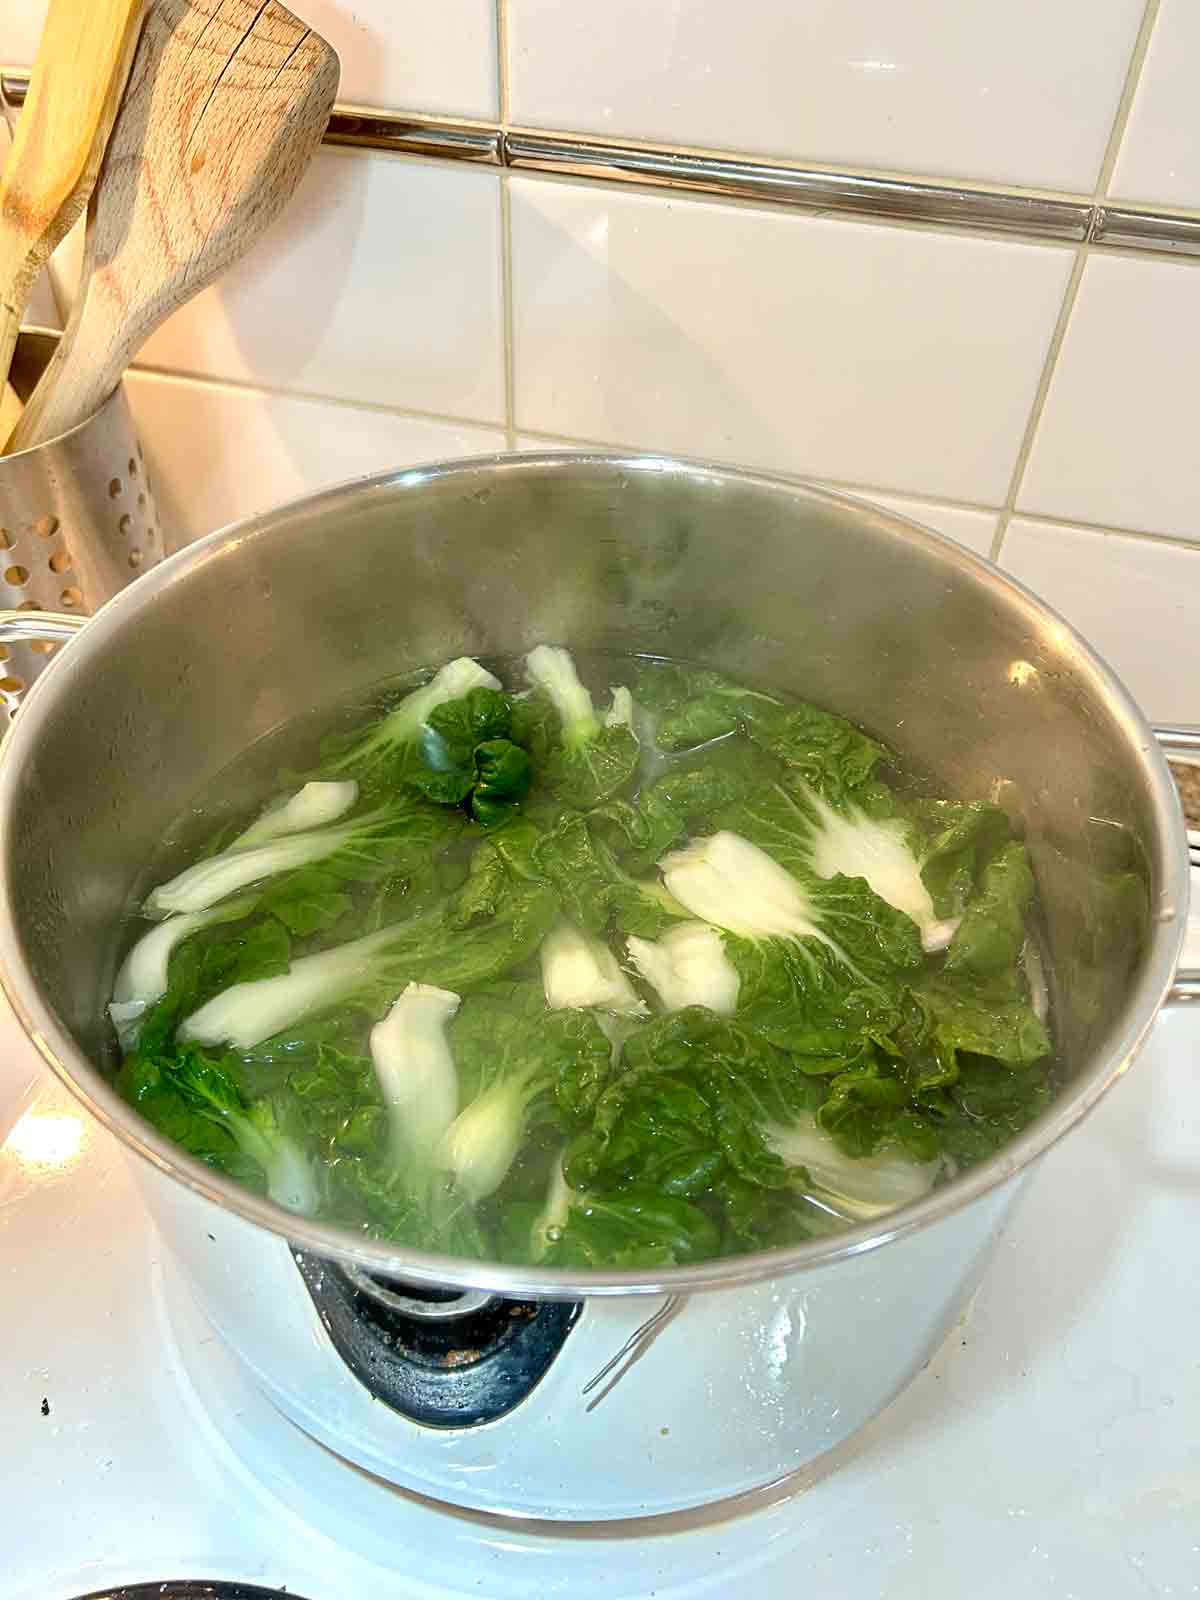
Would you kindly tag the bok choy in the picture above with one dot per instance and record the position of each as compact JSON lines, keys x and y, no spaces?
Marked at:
{"x":351,"y":849}
{"x":516,"y":975}
{"x":416,"y":1070}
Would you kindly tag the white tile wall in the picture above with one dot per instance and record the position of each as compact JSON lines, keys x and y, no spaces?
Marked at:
{"x":381,"y":283}
{"x":1023,"y":91}
{"x":408,"y":54}
{"x":1160,"y":153}
{"x":1117,"y":441}
{"x":411,"y":54}
{"x":1136,"y":601}
{"x":835,"y":349}
{"x":20,"y":30}
{"x":217,"y":453}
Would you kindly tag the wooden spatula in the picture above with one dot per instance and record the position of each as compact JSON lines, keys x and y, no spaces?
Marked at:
{"x":75,"y":88}
{"x":225,"y":107}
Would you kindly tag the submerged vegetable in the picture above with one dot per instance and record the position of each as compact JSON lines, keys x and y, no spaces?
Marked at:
{"x":190,"y":1089}
{"x":416,"y":1070}
{"x":594,"y":888}
{"x":621,"y":713}
{"x":143,"y":976}
{"x":596,"y":757}
{"x":878,"y":849}
{"x":792,"y":939}
{"x":371,"y":970}
{"x":466,"y":756}
{"x":726,"y":880}
{"x":858,"y":1188}
{"x":310,"y":807}
{"x":695,"y":707}
{"x":629,"y":1227}
{"x":593,"y":989}
{"x":688,"y":967}
{"x":524,"y":1065}
{"x":578,"y":971}
{"x":384,"y":753}
{"x":348,"y":847}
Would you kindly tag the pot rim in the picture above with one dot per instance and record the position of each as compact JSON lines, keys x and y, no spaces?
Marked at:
{"x":99,"y":1095}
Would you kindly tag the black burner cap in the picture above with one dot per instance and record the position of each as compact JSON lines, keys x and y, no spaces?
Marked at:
{"x":191,"y":1589}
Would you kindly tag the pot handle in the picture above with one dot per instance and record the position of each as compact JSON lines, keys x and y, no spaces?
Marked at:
{"x":1184,"y":740}
{"x":57,"y":627}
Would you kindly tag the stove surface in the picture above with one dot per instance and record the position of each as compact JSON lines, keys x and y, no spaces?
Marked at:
{"x":1051,"y":1448}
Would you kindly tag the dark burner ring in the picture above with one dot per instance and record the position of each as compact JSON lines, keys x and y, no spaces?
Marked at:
{"x":191,"y":1589}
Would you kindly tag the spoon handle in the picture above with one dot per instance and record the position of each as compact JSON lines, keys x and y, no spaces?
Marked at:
{"x":82,"y":63}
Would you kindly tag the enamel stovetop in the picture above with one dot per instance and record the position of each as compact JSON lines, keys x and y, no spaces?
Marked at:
{"x":1052,"y":1448}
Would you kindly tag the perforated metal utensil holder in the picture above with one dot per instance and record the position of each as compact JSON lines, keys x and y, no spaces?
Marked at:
{"x":77,"y":518}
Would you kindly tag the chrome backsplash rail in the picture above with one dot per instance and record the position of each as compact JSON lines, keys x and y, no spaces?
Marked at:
{"x":810,"y":189}
{"x":930,"y":202}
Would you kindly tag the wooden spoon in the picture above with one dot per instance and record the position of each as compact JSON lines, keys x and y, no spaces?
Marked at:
{"x":82,"y":63}
{"x":226,"y":104}
{"x":10,"y":409}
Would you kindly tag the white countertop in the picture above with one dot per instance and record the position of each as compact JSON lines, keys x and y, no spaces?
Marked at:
{"x":1052,"y":1448}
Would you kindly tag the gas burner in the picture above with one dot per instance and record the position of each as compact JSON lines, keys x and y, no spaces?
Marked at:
{"x":190,"y":1589}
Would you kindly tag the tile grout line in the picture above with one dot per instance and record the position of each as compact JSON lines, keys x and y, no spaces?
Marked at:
{"x":1137,"y":57}
{"x":244,"y":386}
{"x":1137,"y":60}
{"x":1173,"y":541}
{"x":1038,"y":406}
{"x":502,"y":63}
{"x":506,"y":332}
{"x":506,"y":253}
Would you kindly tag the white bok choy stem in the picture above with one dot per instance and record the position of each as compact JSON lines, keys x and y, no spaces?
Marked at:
{"x":144,"y":974}
{"x":688,"y":966}
{"x":579,"y":971}
{"x":207,"y":882}
{"x":416,"y":1071}
{"x":313,"y":806}
{"x":621,"y":713}
{"x":481,"y":1144}
{"x":291,"y":1181}
{"x":451,"y":682}
{"x":878,"y":850}
{"x":555,"y":1213}
{"x":550,"y":668}
{"x":266,"y":849}
{"x":856,"y":1187}
{"x":727,"y":881}
{"x":247,"y":1013}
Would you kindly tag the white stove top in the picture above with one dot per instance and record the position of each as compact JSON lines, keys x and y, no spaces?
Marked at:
{"x":1052,"y":1448}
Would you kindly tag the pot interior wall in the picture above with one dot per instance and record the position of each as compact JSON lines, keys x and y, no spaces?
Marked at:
{"x":784,"y":588}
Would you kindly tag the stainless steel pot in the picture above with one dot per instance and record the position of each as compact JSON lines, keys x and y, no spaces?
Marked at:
{"x":930,"y":648}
